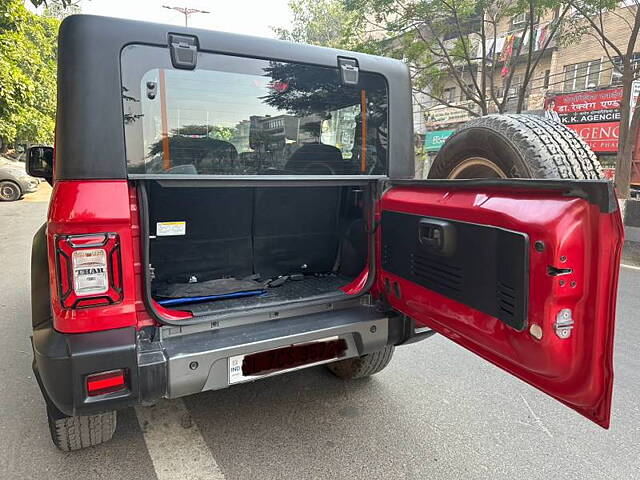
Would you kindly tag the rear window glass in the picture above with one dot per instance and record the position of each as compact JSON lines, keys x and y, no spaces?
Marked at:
{"x":243,"y":116}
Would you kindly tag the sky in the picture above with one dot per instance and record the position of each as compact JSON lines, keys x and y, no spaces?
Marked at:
{"x":252,"y":17}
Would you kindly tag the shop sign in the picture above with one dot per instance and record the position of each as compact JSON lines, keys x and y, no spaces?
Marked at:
{"x":443,"y":115}
{"x":585,"y":107}
{"x":601,"y":137}
{"x":594,"y":115}
{"x":434,"y":140}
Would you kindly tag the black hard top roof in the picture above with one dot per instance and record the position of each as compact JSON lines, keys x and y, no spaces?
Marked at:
{"x":89,"y":128}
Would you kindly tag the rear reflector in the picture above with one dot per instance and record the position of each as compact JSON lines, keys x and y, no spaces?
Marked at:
{"x":106,"y":382}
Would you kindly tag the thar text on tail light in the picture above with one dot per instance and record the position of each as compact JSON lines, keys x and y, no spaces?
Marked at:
{"x":88,"y":269}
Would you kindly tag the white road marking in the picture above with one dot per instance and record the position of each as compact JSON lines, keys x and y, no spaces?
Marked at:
{"x":536,"y":418}
{"x":629,"y":266}
{"x":175,"y":443}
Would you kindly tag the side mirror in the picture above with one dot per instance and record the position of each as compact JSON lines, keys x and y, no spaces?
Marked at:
{"x":40,"y":162}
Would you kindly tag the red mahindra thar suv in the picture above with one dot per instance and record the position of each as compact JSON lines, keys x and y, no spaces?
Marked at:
{"x":227,"y":208}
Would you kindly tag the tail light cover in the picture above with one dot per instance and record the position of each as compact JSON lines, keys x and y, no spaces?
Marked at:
{"x":106,"y":382}
{"x":89,"y":270}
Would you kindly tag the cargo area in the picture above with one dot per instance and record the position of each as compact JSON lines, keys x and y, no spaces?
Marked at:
{"x":219,"y":249}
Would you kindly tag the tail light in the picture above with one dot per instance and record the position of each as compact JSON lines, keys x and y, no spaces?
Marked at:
{"x":106,"y":382}
{"x":89,"y":269}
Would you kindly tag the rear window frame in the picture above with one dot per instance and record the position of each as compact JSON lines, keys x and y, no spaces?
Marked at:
{"x":159,"y":58}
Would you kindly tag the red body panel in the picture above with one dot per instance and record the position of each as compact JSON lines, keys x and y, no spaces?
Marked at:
{"x":100,"y":206}
{"x":358,"y":283}
{"x":85,"y":207}
{"x":578,"y":371}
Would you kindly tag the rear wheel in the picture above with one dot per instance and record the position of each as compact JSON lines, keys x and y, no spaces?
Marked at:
{"x":515,"y":146}
{"x":364,"y":366}
{"x":9,"y":191}
{"x":74,"y":433}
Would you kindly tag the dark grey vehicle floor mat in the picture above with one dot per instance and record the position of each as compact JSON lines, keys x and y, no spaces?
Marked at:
{"x":309,"y":286}
{"x":212,"y":287}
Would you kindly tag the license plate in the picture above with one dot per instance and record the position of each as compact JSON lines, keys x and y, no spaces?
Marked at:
{"x":251,"y":366}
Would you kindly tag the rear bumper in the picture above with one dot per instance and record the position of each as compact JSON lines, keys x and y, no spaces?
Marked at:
{"x":61,"y":363}
{"x":186,"y":363}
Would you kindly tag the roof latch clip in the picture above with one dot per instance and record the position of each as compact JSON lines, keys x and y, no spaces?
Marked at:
{"x":349,"y":71}
{"x":184,"y":51}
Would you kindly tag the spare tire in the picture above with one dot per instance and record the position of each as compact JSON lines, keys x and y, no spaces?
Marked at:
{"x":515,"y":146}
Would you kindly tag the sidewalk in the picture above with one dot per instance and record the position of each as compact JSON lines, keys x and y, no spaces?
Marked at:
{"x":41,"y":195}
{"x":631,"y":217}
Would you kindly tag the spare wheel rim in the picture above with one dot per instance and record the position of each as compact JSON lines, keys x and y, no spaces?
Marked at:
{"x":477,"y":167}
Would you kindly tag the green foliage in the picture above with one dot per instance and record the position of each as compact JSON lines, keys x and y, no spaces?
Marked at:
{"x":27,"y":74}
{"x":216,"y":132}
{"x":440,"y":40}
{"x":61,"y":9}
{"x":324,"y":22}
{"x":61,"y":3}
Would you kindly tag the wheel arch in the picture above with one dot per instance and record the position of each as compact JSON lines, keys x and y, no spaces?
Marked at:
{"x":40,"y":288}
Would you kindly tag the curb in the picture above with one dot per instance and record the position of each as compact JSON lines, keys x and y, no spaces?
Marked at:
{"x":631,"y":216}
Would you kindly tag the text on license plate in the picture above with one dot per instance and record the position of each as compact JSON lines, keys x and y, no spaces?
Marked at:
{"x":260,"y":364}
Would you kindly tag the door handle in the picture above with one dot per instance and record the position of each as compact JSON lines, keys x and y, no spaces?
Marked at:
{"x":430,"y":235}
{"x":437,"y":235}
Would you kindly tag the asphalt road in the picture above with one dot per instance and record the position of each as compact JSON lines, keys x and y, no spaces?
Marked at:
{"x":436,"y":412}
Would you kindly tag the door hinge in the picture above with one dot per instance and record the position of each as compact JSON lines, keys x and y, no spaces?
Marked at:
{"x":564,"y":323}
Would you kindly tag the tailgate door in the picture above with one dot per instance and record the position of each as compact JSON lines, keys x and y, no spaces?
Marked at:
{"x":521,"y":272}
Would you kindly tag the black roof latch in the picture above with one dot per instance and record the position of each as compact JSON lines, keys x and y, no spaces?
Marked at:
{"x":348,"y":70}
{"x":184,"y":51}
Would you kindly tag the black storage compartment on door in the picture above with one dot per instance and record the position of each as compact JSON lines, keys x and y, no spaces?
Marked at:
{"x":481,"y":266}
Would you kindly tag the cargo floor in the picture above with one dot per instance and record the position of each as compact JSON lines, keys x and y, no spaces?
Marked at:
{"x":309,"y":286}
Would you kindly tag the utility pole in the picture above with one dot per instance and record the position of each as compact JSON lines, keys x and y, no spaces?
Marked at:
{"x":186,"y":12}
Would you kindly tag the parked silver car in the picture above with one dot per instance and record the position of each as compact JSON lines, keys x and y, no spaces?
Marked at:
{"x":14,"y":180}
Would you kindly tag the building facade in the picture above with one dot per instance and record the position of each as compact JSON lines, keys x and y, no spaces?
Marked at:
{"x":576,"y":80}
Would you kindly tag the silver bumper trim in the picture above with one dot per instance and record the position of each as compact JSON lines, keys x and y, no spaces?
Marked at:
{"x":199,"y":361}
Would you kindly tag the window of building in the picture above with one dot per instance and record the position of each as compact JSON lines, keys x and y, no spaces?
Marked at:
{"x":616,"y":75}
{"x":516,"y":84}
{"x":580,"y":76}
{"x":547,"y":75}
{"x":467,"y":93}
{"x":449,"y":94}
{"x":520,"y":20}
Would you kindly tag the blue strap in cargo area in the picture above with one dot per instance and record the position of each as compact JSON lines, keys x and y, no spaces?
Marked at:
{"x":185,"y":300}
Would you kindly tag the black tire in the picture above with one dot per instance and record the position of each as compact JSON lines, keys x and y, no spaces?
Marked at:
{"x":74,"y":433}
{"x":10,"y":191}
{"x":364,"y":366}
{"x":515,"y":146}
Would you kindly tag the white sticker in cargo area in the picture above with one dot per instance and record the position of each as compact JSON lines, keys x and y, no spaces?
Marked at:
{"x":167,"y":229}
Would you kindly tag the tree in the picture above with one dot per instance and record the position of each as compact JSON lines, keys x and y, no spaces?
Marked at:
{"x":60,"y":9}
{"x":61,"y":3}
{"x":591,"y":16}
{"x":454,"y":40}
{"x":27,"y":74}
{"x":326,"y":23}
